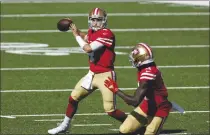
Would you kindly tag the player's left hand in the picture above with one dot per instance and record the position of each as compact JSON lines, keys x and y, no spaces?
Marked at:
{"x":111,"y":85}
{"x":74,"y":29}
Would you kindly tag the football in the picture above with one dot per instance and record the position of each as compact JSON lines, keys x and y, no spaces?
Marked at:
{"x":64,"y":24}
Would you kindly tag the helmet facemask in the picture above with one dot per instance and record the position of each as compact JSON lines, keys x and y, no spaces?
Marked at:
{"x":97,"y":19}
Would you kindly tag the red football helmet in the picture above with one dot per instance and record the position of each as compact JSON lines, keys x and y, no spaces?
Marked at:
{"x":141,"y":54}
{"x":97,"y":19}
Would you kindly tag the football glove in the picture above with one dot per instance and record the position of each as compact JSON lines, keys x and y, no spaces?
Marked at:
{"x":111,"y":85}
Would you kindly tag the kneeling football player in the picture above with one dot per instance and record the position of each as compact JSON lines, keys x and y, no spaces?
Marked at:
{"x":150,"y":99}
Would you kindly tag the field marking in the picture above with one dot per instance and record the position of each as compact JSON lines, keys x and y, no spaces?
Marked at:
{"x":14,"y":45}
{"x":44,"y":49}
{"x":81,"y":68}
{"x":66,"y":1}
{"x":114,"y":129}
{"x":75,"y":125}
{"x":92,"y":114}
{"x":109,"y":14}
{"x":114,"y":30}
{"x":90,"y":125}
{"x":23,"y":45}
{"x":69,"y":90}
{"x":167,"y":46}
{"x":189,"y":3}
{"x":49,"y":120}
{"x":8,"y":117}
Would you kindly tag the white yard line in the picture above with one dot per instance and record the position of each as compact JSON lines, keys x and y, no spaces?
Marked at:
{"x":191,"y":3}
{"x":75,"y":125}
{"x":184,"y":2}
{"x":92,"y":114}
{"x":109,"y":14}
{"x":90,"y":125}
{"x":81,"y":68}
{"x":167,"y":46}
{"x":194,"y":112}
{"x":114,"y":30}
{"x":7,"y":45}
{"x":8,"y":117}
{"x":63,"y":1}
{"x":69,"y":90}
{"x":114,"y":129}
{"x":49,"y":120}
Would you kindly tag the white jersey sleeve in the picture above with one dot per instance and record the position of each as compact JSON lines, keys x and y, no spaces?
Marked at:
{"x":95,"y":45}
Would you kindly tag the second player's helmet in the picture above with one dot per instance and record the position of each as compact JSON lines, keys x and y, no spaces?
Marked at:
{"x":97,"y":19}
{"x":141,"y":54}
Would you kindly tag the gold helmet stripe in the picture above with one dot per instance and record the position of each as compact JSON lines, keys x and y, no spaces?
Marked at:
{"x":147,"y":48}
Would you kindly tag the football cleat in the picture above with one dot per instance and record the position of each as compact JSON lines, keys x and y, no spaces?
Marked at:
{"x":176,"y":107}
{"x":62,"y":128}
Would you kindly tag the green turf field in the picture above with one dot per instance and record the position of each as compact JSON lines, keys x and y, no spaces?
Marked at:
{"x":36,"y":82}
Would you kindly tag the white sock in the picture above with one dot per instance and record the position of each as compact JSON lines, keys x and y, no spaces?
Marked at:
{"x":66,"y":120}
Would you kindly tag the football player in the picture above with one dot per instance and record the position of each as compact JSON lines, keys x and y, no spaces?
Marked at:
{"x":150,"y":99}
{"x":99,"y":44}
